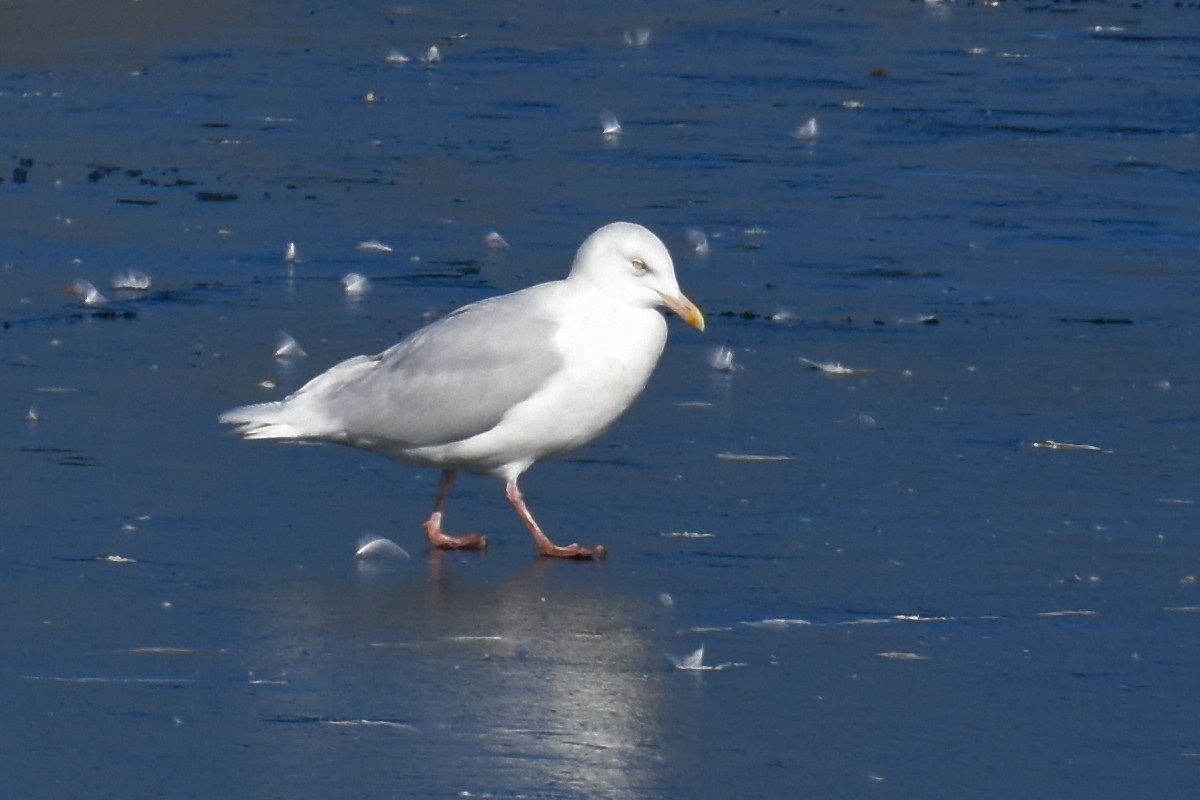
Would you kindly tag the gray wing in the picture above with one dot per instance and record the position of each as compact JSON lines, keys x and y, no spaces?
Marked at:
{"x":449,"y":381}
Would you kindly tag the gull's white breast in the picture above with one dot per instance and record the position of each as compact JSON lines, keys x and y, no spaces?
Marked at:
{"x":608,"y":349}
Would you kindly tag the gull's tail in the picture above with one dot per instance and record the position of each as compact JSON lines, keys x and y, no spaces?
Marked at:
{"x":303,"y":415}
{"x":262,"y":421}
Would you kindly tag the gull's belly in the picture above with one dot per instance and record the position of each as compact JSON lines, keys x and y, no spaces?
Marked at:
{"x":605,"y":371}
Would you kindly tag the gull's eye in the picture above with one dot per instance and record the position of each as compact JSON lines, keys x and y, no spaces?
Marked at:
{"x":639,"y":265}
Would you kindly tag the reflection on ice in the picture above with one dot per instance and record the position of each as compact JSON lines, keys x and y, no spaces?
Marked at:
{"x":535,"y":685}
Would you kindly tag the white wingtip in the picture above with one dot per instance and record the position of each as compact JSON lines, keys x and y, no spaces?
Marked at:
{"x":259,"y":421}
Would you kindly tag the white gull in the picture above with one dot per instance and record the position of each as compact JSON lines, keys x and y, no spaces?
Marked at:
{"x":500,"y":384}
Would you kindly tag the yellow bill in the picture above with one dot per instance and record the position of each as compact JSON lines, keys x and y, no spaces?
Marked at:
{"x":687,"y":311}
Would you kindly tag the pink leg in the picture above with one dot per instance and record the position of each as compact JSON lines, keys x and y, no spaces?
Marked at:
{"x":544,"y":545}
{"x":433,"y":525}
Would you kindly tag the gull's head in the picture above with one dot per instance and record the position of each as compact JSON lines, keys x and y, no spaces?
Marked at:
{"x":629,"y":262}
